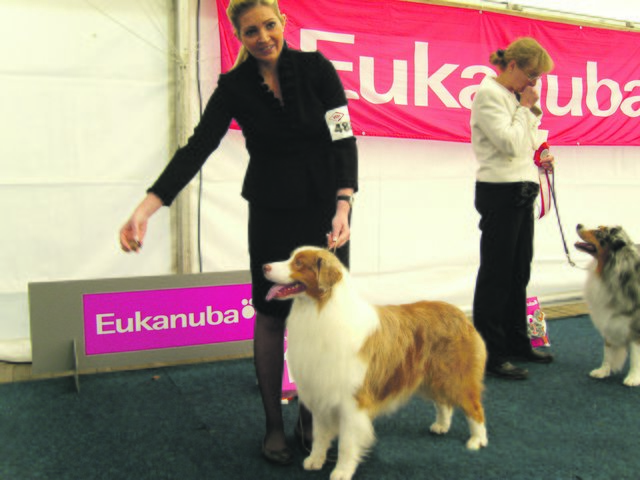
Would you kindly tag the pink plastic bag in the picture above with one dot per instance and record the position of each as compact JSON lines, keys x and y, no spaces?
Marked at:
{"x":536,"y":324}
{"x":288,"y":384}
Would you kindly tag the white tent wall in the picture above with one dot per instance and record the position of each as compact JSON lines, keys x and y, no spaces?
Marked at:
{"x":87,"y":97}
{"x":85,"y":100}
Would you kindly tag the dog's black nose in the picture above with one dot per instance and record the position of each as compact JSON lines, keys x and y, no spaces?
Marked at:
{"x":579,"y":226}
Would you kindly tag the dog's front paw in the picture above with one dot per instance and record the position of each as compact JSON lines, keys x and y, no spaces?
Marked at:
{"x":602,"y":372}
{"x":341,"y":474}
{"x":313,"y":463}
{"x":632,"y":380}
{"x":439,"y":428}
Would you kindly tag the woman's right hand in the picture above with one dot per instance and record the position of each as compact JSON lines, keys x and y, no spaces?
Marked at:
{"x":528,"y":97}
{"x":133,"y":231}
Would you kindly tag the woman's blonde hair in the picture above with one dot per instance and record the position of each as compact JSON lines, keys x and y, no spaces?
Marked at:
{"x":237,"y":8}
{"x":528,"y":54}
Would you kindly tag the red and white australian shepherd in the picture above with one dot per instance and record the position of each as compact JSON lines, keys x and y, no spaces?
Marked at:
{"x":353,"y":361}
{"x":612,"y":293}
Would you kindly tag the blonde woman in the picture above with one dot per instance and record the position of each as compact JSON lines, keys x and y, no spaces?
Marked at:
{"x":504,"y":137}
{"x":299,"y":184}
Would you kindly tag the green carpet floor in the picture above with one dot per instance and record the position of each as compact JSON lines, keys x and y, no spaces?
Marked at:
{"x":205,"y":422}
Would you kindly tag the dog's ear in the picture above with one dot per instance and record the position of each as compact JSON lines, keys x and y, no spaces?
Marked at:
{"x":617,"y":238}
{"x":617,"y":244}
{"x":328,"y":267}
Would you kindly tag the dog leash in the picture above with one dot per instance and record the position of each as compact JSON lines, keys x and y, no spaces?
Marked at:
{"x":552,"y":186}
{"x":335,"y":245}
{"x":542,"y":152}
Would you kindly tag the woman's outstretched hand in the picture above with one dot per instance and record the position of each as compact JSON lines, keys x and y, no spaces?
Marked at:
{"x":134,"y":230}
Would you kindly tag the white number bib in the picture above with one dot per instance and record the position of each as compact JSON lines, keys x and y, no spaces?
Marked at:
{"x":339,"y":123}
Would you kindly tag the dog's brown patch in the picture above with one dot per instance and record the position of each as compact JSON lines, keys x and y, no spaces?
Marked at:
{"x":428,"y":347}
{"x":592,"y":237}
{"x":318,"y":270}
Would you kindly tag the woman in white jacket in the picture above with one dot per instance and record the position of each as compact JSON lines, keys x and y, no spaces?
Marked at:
{"x":504,"y":137}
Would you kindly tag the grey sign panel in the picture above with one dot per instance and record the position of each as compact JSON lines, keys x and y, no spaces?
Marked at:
{"x":57,"y":327}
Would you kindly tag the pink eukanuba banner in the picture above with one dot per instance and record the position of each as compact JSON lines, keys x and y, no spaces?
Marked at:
{"x":118,"y":322}
{"x":153,"y":319}
{"x":411,"y":69}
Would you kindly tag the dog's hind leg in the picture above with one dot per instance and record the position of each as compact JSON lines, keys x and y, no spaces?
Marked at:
{"x":444,"y":413}
{"x":471,"y":405}
{"x":478,"y":437}
{"x":633,"y":378}
{"x":356,"y":437}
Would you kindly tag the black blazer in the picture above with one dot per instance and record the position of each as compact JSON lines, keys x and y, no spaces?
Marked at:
{"x":292,"y":158}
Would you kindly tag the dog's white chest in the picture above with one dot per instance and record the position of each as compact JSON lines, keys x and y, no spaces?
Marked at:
{"x":323,"y":356}
{"x":613,"y":326}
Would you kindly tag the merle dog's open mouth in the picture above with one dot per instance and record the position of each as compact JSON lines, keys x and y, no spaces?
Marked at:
{"x":586,"y":247}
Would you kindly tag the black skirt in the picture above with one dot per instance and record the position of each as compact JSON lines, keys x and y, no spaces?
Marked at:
{"x":274,"y":234}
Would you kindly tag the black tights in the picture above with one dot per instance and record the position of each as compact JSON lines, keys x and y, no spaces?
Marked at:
{"x":268,"y":354}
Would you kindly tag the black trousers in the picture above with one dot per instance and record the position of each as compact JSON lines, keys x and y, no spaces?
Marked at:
{"x":506,"y":252}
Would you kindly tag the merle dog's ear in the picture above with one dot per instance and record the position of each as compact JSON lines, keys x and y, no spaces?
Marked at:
{"x":618,"y":243}
{"x":617,"y":239}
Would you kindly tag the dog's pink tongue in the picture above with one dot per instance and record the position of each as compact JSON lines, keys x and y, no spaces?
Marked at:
{"x":284,"y":291}
{"x":275,"y":291}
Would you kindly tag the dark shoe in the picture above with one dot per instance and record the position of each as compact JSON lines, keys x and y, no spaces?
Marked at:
{"x":278,"y":457}
{"x":534,"y":356}
{"x":507,"y":371}
{"x":305,"y":445}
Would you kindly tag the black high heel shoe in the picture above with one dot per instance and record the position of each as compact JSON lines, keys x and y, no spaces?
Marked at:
{"x":277,"y":457}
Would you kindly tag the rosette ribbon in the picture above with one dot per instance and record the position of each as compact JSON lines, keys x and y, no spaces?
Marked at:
{"x":546,"y":194}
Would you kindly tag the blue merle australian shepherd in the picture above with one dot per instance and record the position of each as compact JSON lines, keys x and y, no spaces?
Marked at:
{"x":612,"y":293}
